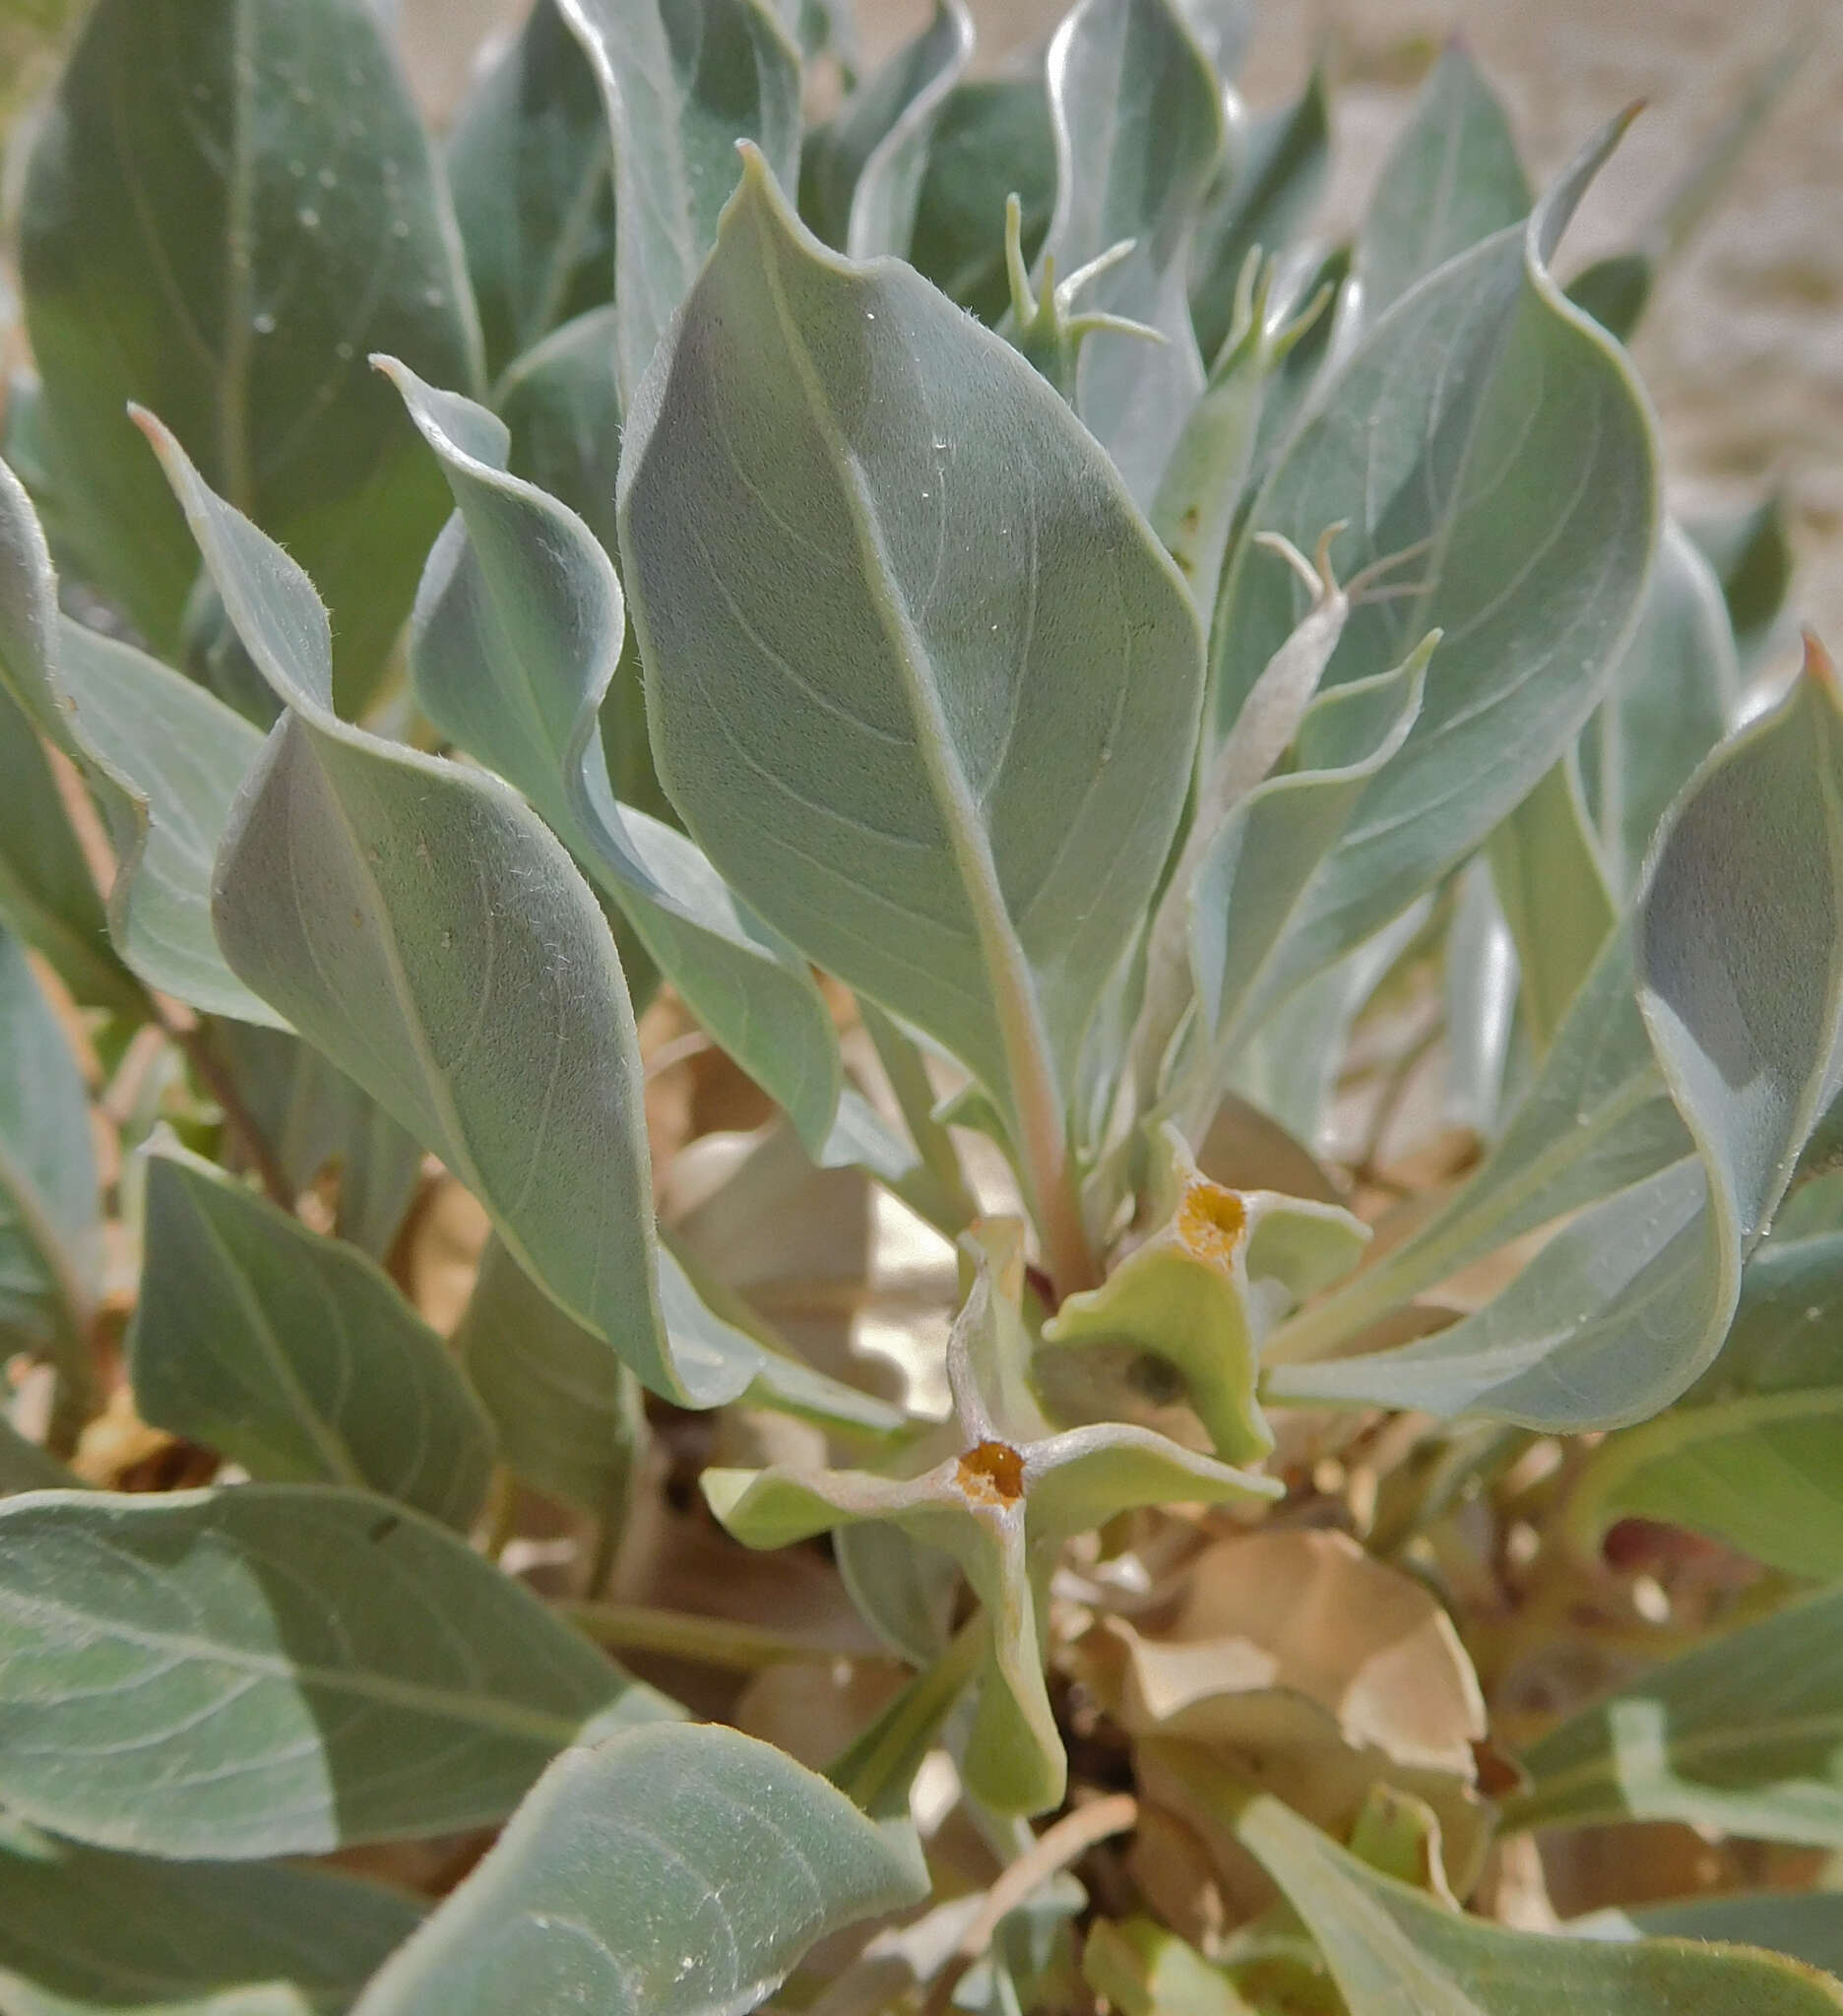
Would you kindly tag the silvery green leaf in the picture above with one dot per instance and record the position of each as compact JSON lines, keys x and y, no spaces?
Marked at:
{"x":1139,"y":120}
{"x":1481,"y":1004}
{"x":1807,"y":1924}
{"x":1742,"y":1735}
{"x":946,"y":763}
{"x":683,"y":80}
{"x":992,"y":138}
{"x":1491,"y":442}
{"x":28,"y":1467}
{"x":1596,"y":1119}
{"x":50,"y":1225}
{"x":1395,"y":1951}
{"x":311,"y":1117}
{"x":163,"y":757}
{"x":903,"y":1589}
{"x":534,"y":190}
{"x":1264,"y":202}
{"x":445,"y":951}
{"x":1675,"y":694}
{"x":1625,"y":1306}
{"x":1224,"y":27}
{"x":517,"y":638}
{"x":1254,"y":874}
{"x":662,"y":1872}
{"x":293,"y":1353}
{"x":1751,"y":557}
{"x":1753,"y":1454}
{"x":48,"y":894}
{"x":562,"y":405}
{"x":862,"y":173}
{"x":1289,"y":1067}
{"x":1451,"y":179}
{"x":567,"y":1411}
{"x":83,"y":1933}
{"x":230,"y":203}
{"x":1553,"y":889}
{"x":275,"y":1670}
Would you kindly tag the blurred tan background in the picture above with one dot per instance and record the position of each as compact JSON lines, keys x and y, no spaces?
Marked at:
{"x":1743,"y":348}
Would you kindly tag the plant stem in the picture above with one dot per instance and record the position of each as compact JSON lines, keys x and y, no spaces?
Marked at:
{"x":191,"y":1038}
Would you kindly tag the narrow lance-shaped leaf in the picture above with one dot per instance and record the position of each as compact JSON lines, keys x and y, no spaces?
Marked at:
{"x":1451,"y":179}
{"x":1752,"y":556}
{"x":50,"y":1230}
{"x":1625,"y":1306}
{"x":1675,"y":693}
{"x":163,"y":757}
{"x":517,"y":640}
{"x":683,"y":80}
{"x":275,"y":1670}
{"x":591,"y":1900}
{"x":1489,"y":440}
{"x":293,"y":1353}
{"x":1393,"y":1951}
{"x":232,"y":203}
{"x":1549,"y":879}
{"x":862,"y":173}
{"x":1254,"y":870}
{"x":533,"y":188}
{"x":1753,"y":1454}
{"x":946,"y":763}
{"x":1597,"y":1119}
{"x":1742,"y":1735}
{"x":1138,"y":123}
{"x":83,"y":1932}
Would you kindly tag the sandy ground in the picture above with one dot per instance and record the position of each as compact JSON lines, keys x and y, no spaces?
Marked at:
{"x":1742,"y":350}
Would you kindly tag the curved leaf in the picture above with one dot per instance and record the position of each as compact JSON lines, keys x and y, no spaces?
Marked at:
{"x":50,"y":1225}
{"x":1743,"y":1735}
{"x":438,"y":943}
{"x":1138,"y":122}
{"x":1620,"y":1313}
{"x":533,"y":188}
{"x":586,"y":1901}
{"x":861,"y":175}
{"x":947,"y":765}
{"x":275,"y":1670}
{"x":1805,"y":1925}
{"x":47,"y":895}
{"x":1451,"y":179}
{"x":83,"y":1933}
{"x":1753,"y":1454}
{"x":232,"y":203}
{"x":1394,"y":1951}
{"x":1493,"y":442}
{"x":293,"y":1353}
{"x":992,"y":138}
{"x":517,"y":640}
{"x":683,"y":80}
{"x":567,"y":1411}
{"x":163,"y":755}
{"x":1675,"y":693}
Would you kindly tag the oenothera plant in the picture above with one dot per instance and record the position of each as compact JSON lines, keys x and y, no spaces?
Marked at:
{"x":1115,"y":752}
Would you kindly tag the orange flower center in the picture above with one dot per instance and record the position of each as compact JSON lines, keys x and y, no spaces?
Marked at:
{"x":1210,"y":1220}
{"x":992,"y":1474}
